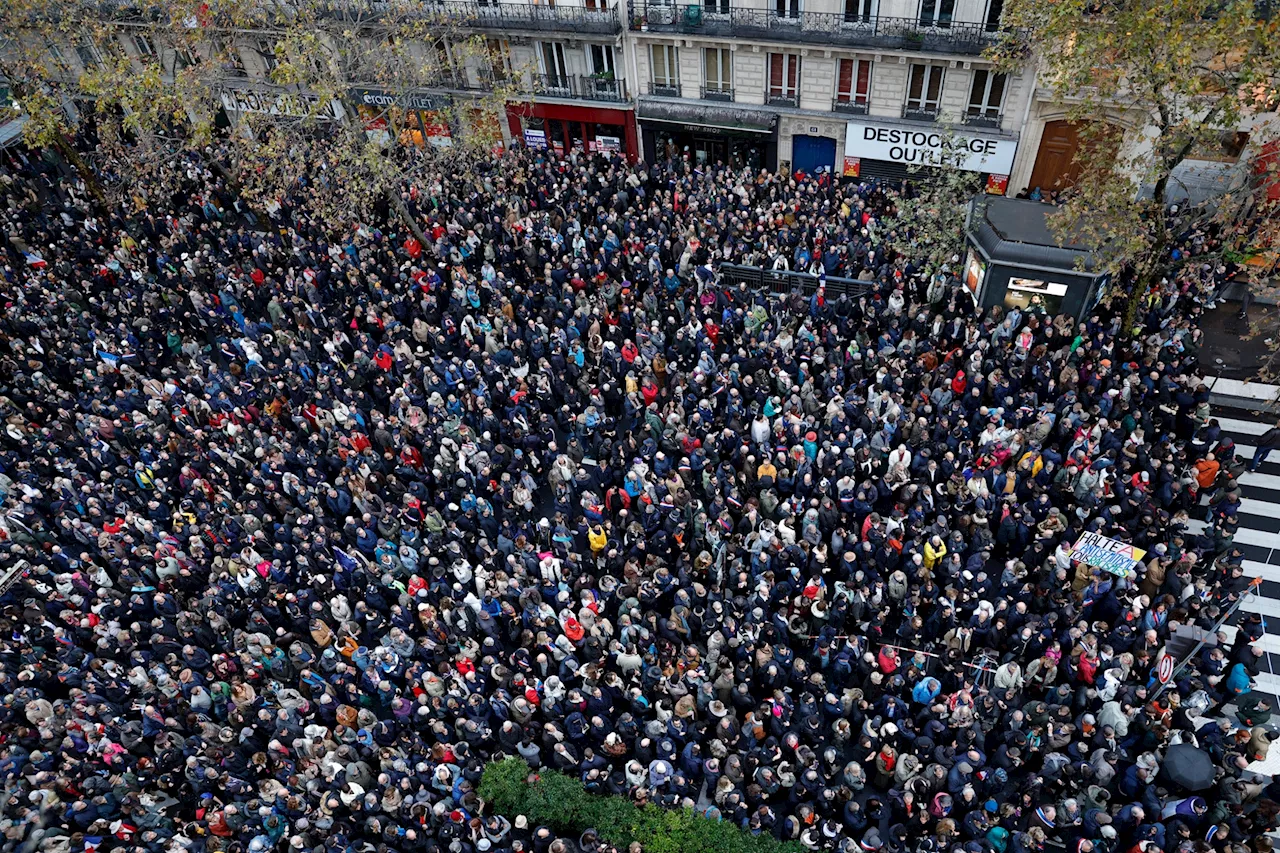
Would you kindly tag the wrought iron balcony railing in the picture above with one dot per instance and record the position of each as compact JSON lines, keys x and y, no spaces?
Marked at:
{"x":586,"y":88}
{"x":827,"y":28}
{"x":717,"y":93}
{"x":977,"y":118}
{"x":479,"y":14}
{"x":604,"y":89}
{"x":666,"y":89}
{"x":468,"y":79}
{"x":920,"y":113}
{"x":850,"y":106}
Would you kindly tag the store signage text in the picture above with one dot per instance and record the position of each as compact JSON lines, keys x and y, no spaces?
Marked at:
{"x":929,"y":147}
{"x":272,"y":103}
{"x":411,"y":100}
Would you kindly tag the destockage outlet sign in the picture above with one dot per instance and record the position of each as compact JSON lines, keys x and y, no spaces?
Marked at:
{"x":925,"y":147}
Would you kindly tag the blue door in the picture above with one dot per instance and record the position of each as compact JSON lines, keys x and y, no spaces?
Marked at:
{"x":811,"y":153}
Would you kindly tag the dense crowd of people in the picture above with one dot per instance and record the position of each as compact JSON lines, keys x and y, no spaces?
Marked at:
{"x":316,"y":518}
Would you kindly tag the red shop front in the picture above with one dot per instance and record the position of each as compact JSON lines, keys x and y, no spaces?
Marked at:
{"x":561,"y":128}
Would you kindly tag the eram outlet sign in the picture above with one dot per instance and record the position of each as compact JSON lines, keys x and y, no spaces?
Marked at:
{"x":926,"y":146}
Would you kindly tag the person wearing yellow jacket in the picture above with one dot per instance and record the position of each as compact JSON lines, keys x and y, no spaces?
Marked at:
{"x":934,"y":550}
{"x":597,"y":539}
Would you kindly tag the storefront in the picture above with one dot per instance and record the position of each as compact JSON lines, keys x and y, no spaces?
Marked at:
{"x":890,"y":151}
{"x":740,"y":138}
{"x":270,"y":100}
{"x":412,"y":118}
{"x":810,"y":145}
{"x":561,"y":128}
{"x":1014,"y":260}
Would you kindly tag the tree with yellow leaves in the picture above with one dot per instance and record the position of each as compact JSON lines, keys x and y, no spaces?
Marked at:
{"x":155,"y":75}
{"x":1150,"y":83}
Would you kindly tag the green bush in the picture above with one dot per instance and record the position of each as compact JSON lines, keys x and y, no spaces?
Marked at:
{"x":549,"y":798}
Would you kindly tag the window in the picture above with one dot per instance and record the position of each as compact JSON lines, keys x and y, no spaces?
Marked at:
{"x":717,"y":69}
{"x":1224,"y":147}
{"x":937,"y":13}
{"x":266,"y":51}
{"x":144,"y":47}
{"x":853,"y":82}
{"x":440,"y":59}
{"x":784,"y":78}
{"x":87,"y":53}
{"x":859,"y":11}
{"x":924,"y":91}
{"x":183,"y":58}
{"x":499,"y":58}
{"x":666,"y":73}
{"x":787,"y":9}
{"x":716,"y":7}
{"x":228,"y":53}
{"x":551,"y":55}
{"x":986,"y":95}
{"x":995,"y":8}
{"x":113,"y":47}
{"x":602,"y":60}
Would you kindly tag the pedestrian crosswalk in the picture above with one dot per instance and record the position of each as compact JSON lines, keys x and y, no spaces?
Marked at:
{"x":1258,"y":537}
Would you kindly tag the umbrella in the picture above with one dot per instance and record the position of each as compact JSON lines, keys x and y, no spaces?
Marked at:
{"x":1188,"y":767}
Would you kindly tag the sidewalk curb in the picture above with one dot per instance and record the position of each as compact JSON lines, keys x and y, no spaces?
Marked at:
{"x":1248,"y":404}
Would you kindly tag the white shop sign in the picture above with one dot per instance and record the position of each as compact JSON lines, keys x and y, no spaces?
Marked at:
{"x":924,"y":146}
{"x":276,"y":104}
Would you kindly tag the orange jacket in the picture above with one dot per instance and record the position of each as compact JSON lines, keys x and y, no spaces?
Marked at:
{"x":1207,"y":472}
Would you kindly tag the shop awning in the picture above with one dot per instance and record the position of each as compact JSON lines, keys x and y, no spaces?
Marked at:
{"x":706,"y":115}
{"x":11,"y":130}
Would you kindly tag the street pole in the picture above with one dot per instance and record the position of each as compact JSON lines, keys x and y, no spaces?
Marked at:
{"x":1186,"y":659}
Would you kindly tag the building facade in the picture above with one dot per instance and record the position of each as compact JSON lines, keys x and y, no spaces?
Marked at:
{"x":852,"y":87}
{"x":857,"y":87}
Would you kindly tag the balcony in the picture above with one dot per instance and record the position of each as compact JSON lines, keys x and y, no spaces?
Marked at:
{"x":780,"y":100}
{"x":717,"y":93}
{"x":467,"y":80}
{"x":664,"y":90}
{"x":573,"y":88}
{"x":604,"y":89}
{"x":554,"y":85}
{"x":480,"y":15}
{"x":824,"y":28}
{"x":920,"y":113}
{"x":850,"y":107}
{"x":983,"y":119}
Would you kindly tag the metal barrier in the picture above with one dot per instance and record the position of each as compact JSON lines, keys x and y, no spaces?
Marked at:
{"x":782,"y":282}
{"x":13,"y":574}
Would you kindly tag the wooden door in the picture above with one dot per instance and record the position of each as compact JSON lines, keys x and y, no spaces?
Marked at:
{"x":1056,"y":167}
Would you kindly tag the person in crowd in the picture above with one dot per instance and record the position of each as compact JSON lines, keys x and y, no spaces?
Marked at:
{"x":305,"y":520}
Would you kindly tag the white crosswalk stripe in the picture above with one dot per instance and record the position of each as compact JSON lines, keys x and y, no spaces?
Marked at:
{"x":1266,"y":509}
{"x":1244,"y":536}
{"x":1254,"y":569}
{"x":1270,"y":482}
{"x":1268,"y":607}
{"x":1239,"y":427}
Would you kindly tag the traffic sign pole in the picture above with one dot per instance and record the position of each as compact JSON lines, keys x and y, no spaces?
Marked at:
{"x":1195,"y":650}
